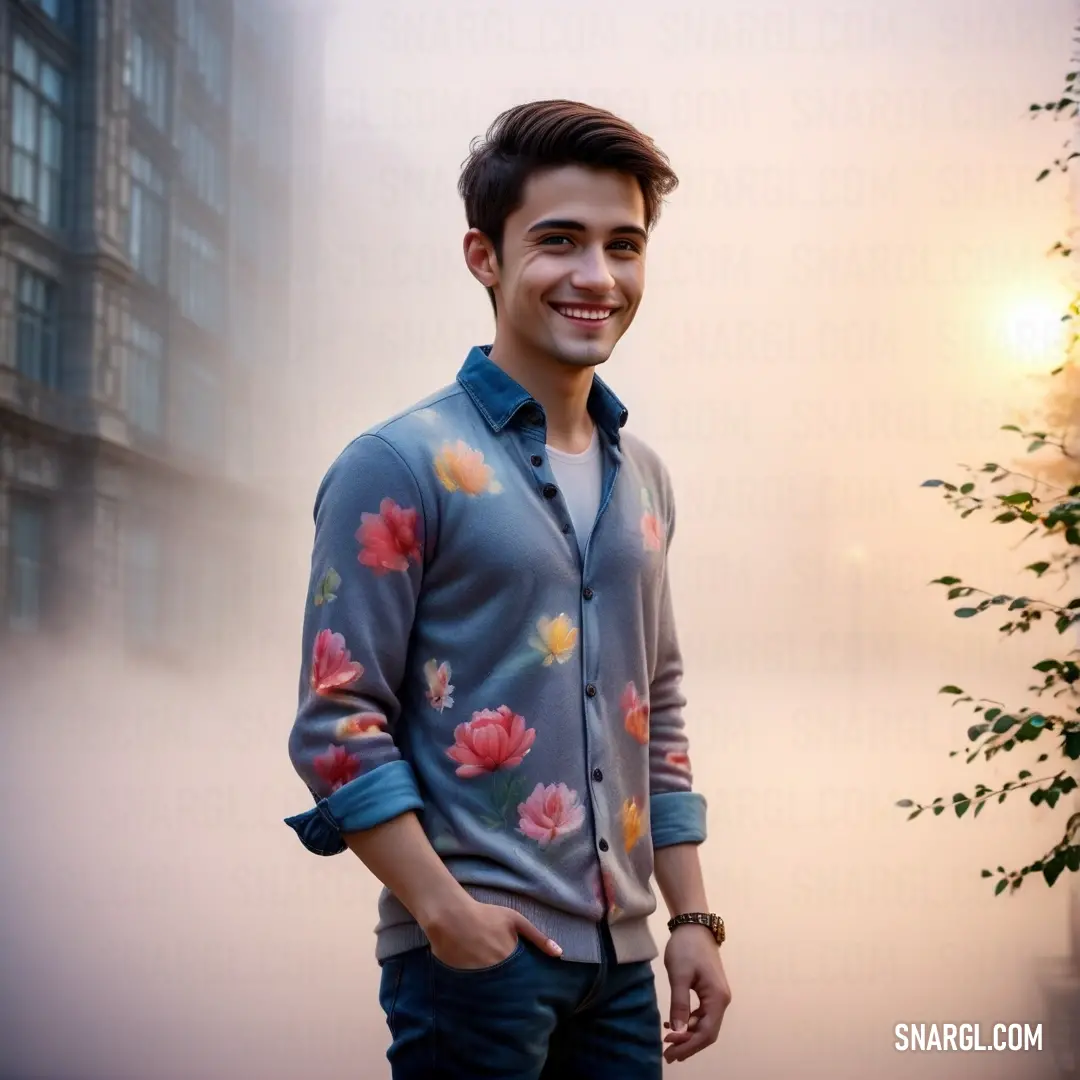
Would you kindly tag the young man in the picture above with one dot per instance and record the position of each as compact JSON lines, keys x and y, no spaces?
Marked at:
{"x":490,"y":707}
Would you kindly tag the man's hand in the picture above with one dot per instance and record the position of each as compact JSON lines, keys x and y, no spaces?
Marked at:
{"x":693,"y":963}
{"x":474,"y":935}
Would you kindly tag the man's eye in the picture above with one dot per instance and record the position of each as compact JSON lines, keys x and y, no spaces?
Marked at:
{"x":630,"y":245}
{"x":554,"y":239}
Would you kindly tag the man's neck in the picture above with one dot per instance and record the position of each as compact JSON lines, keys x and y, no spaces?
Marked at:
{"x":562,"y":390}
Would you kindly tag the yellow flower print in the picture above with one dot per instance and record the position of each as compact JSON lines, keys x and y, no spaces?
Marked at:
{"x":461,"y":468}
{"x":555,"y":639}
{"x":633,"y":823}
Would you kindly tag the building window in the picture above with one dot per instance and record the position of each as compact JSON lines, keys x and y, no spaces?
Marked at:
{"x":145,"y":377}
{"x":146,"y":224}
{"x":203,"y":167}
{"x":37,"y":351}
{"x":27,"y":562}
{"x":200,"y":417}
{"x":198,"y":279}
{"x":143,"y":585}
{"x":206,"y":50}
{"x":147,"y":77}
{"x":36,"y":132}
{"x":59,"y":11}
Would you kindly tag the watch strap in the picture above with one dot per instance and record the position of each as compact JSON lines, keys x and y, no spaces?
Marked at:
{"x":701,"y":918}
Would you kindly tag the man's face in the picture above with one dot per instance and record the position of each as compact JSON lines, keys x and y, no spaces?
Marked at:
{"x":572,"y":271}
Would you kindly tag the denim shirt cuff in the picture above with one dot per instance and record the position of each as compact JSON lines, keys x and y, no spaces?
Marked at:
{"x":678,"y":817}
{"x":384,"y":793}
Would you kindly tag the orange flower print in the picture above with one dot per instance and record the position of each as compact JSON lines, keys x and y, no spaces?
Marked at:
{"x":332,"y":666}
{"x":439,"y":690}
{"x":492,"y":739}
{"x":652,"y":532}
{"x":361,"y":725}
{"x":388,"y":539}
{"x":550,"y":813}
{"x":461,"y":468}
{"x":554,"y":639}
{"x":604,"y":890}
{"x":337,"y":767}
{"x":679,"y":760}
{"x":633,"y":823}
{"x":635,"y":714}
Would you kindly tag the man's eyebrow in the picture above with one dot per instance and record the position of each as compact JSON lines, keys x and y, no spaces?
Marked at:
{"x":576,"y":226}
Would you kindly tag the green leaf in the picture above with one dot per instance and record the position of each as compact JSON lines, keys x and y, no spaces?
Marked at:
{"x":1001,"y":886}
{"x":905,"y":803}
{"x":961,"y":803}
{"x":1024,"y":774}
{"x":946,"y":581}
{"x":1071,"y":744}
{"x":938,"y":809}
{"x":1003,"y":723}
{"x":1039,"y":568}
{"x":988,"y":873}
{"x":1042,"y":176}
{"x":950,"y":690}
{"x":914,"y":813}
{"x":978,"y":808}
{"x":1046,"y":665}
{"x":1019,"y":602}
{"x":932,"y":483}
{"x":1052,"y":869}
{"x":993,"y":714}
{"x":967,"y":488}
{"x":1009,"y":427}
{"x":965,"y":612}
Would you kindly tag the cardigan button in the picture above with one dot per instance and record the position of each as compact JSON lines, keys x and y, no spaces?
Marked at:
{"x":550,"y":491}
{"x":603,"y":845}
{"x":590,"y":690}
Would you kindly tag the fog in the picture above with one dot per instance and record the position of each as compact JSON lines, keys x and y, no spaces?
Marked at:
{"x":847,"y":295}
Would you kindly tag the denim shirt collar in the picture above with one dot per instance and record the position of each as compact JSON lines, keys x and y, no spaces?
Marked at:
{"x":500,"y":398}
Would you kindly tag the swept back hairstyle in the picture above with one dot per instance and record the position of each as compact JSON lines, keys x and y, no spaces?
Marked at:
{"x":546,"y":134}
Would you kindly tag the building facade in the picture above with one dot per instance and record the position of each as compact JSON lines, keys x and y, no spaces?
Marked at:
{"x":156,"y":163}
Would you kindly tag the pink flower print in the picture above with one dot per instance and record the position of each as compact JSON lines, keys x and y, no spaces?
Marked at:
{"x":361,"y":725}
{"x":635,"y":714}
{"x":332,"y":667}
{"x":651,"y":532}
{"x":492,"y":739}
{"x":388,"y":539}
{"x":337,"y":767}
{"x":550,"y":813}
{"x":681,"y":760}
{"x":439,"y":690}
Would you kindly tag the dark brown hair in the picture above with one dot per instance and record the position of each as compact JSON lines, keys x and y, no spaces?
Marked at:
{"x":546,"y":134}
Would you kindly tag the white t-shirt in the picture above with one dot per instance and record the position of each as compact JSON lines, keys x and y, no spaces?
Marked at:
{"x":581,"y":479}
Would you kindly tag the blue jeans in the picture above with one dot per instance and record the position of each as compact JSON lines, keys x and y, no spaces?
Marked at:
{"x":530,"y":1017}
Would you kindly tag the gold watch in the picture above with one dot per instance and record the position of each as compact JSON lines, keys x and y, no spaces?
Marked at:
{"x":701,"y":918}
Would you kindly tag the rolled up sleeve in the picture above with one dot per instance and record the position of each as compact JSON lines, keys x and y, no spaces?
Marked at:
{"x":366,"y":569}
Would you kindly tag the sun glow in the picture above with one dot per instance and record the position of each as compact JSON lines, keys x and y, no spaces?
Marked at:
{"x":1032,"y":331}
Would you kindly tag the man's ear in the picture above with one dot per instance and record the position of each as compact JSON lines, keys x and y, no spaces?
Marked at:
{"x":480,"y":258}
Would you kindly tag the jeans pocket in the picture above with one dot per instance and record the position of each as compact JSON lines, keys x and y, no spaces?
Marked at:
{"x":466,"y":973}
{"x":389,"y":988}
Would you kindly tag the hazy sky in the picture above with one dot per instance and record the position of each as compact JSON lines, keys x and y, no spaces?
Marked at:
{"x":847,"y":295}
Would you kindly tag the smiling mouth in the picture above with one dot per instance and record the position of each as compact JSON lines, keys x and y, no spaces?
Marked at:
{"x":584,"y":314}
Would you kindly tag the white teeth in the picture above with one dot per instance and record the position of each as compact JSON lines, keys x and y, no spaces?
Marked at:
{"x":581,"y":313}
